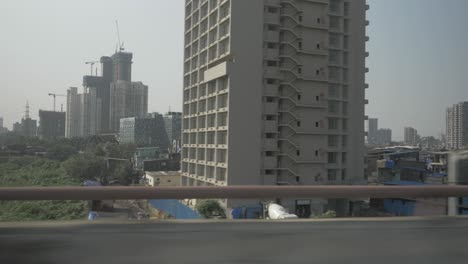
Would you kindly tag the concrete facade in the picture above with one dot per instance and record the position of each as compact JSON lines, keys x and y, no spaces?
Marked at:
{"x":173,"y":123}
{"x":144,"y":132}
{"x":51,"y":125}
{"x":372,"y":131}
{"x":128,"y":99}
{"x":457,"y":126}
{"x":274,"y":93}
{"x":83,"y":117}
{"x":411,"y":136}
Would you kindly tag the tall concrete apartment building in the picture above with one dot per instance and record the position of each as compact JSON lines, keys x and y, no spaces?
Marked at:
{"x":274,"y":94}
{"x":372,"y":131}
{"x":411,"y":136}
{"x":128,"y":99}
{"x":457,"y":126}
{"x":51,"y":125}
{"x":173,"y":123}
{"x":83,"y":116}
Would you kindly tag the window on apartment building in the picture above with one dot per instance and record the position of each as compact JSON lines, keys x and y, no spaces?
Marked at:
{"x":298,"y":153}
{"x":298,"y":179}
{"x":317,"y":45}
{"x":201,"y":138}
{"x":298,"y":97}
{"x":270,"y":81}
{"x":269,"y":135}
{"x":212,"y":120}
{"x":299,"y":18}
{"x":210,"y":138}
{"x":332,"y":157}
{"x":344,"y":157}
{"x":299,"y":70}
{"x":331,"y":175}
{"x":317,"y":98}
{"x":221,"y":156}
{"x":332,"y":141}
{"x":319,"y":20}
{"x":270,"y":117}
{"x":269,"y":153}
{"x":272,"y":63}
{"x":343,"y":175}
{"x":269,"y":172}
{"x":210,"y":155}
{"x":210,"y":172}
{"x":201,"y":154}
{"x":272,"y":10}
{"x":222,"y":119}
{"x":333,"y":123}
{"x":223,"y":83}
{"x":193,"y":138}
{"x":299,"y":44}
{"x":269,"y":99}
{"x":316,"y":153}
{"x":272,"y":28}
{"x":222,"y":137}
{"x":317,"y":124}
{"x":271,"y":45}
{"x":298,"y":123}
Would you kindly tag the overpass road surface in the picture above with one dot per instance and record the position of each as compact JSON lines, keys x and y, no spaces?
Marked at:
{"x":386,"y":240}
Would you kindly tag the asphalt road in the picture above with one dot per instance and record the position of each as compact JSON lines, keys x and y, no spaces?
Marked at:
{"x":427,"y":240}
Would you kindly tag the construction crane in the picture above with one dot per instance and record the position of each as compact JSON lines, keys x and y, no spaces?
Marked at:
{"x":55,"y":95}
{"x":92,"y":66}
{"x":120,"y":45}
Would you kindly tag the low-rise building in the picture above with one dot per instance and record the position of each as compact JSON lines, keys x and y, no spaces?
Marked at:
{"x":144,"y":132}
{"x":144,"y":154}
{"x":162,"y":178}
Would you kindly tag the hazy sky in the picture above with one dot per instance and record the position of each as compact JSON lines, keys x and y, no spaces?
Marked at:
{"x":418,"y":54}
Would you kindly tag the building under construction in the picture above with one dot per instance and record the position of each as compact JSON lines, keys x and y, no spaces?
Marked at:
{"x":51,"y":125}
{"x":106,"y":98}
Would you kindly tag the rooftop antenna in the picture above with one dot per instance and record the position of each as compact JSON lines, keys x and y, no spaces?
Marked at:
{"x":120,"y":45}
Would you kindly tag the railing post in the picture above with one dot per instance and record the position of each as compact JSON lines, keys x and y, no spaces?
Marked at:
{"x":457,"y":175}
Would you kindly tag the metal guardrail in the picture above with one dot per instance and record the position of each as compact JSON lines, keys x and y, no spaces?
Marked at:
{"x":232,"y":192}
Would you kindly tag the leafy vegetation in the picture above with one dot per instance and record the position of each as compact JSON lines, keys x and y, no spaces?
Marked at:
{"x":31,"y":171}
{"x":67,"y":162}
{"x":210,"y":209}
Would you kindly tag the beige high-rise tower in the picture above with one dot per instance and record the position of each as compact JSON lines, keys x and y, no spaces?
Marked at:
{"x":274,"y":94}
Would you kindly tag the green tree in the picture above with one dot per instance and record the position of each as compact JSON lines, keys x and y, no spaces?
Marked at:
{"x":210,"y":208}
{"x":123,"y":172}
{"x":61,"y":152}
{"x":85,"y":167}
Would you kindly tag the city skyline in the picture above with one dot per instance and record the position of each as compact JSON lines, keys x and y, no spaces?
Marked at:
{"x":426,"y":61}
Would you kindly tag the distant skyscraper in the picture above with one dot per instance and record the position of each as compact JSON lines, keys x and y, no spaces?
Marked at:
{"x":128,"y":99}
{"x":83,"y":113}
{"x":384,"y":137}
{"x":73,"y":114}
{"x":372,"y":133}
{"x":457,"y":126}
{"x":51,"y":125}
{"x":122,"y":66}
{"x":173,"y":123}
{"x":144,"y":132}
{"x":274,"y":93}
{"x":411,"y":136}
{"x":2,"y":128}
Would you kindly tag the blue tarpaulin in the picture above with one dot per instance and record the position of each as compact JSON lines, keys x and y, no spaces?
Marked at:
{"x":175,"y":208}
